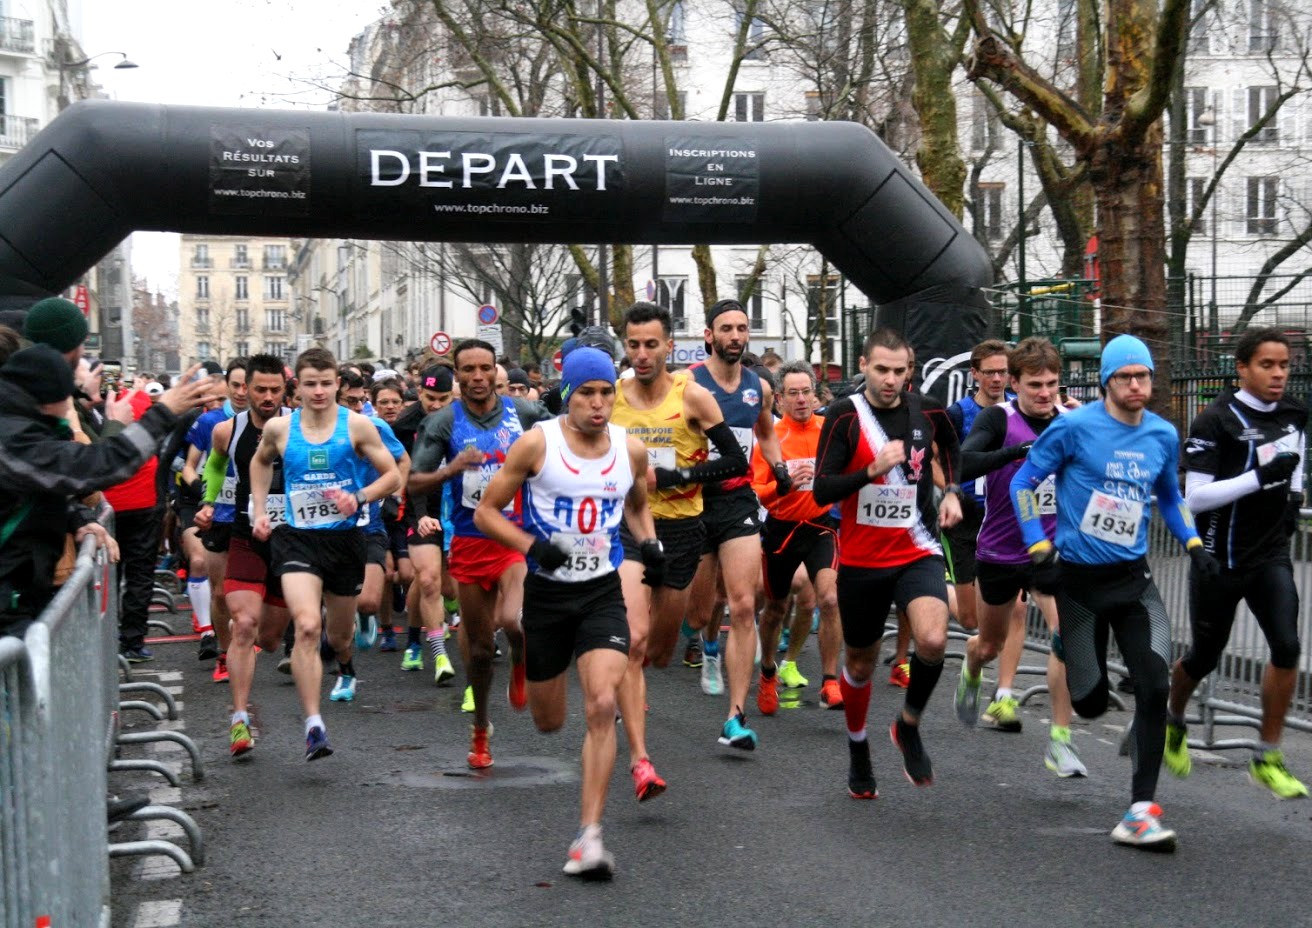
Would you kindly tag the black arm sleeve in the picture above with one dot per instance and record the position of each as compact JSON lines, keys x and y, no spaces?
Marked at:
{"x":838,"y":441}
{"x":982,"y":452}
{"x":731,"y":462}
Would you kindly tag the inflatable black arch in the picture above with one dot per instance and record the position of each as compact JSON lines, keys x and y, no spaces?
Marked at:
{"x":102,"y":170}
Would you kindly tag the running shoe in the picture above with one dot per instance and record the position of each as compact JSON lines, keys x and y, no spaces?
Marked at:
{"x":443,"y":672}
{"x":790,"y":676}
{"x":647,"y":783}
{"x":139,"y":655}
{"x":692,"y":654}
{"x":588,"y":859}
{"x":209,"y":648}
{"x":285,"y":665}
{"x":1176,"y":753}
{"x":712,"y":679}
{"x":860,"y":775}
{"x":366,"y":632}
{"x":1001,"y":714}
{"x":414,"y":657}
{"x":915,"y":762}
{"x":831,"y":695}
{"x":467,"y":704}
{"x":1269,"y":771}
{"x":967,"y":699}
{"x":1061,"y":759}
{"x":343,"y":689}
{"x":784,"y":636}
{"x":517,"y":688}
{"x":316,"y":744}
{"x":388,"y":642}
{"x":239,"y":739}
{"x":220,"y":674}
{"x":900,"y":674}
{"x":1142,"y":830}
{"x":767,"y":694}
{"x":480,"y":753}
{"x":736,"y":734}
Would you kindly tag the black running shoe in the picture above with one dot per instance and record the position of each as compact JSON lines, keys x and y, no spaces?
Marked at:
{"x":209,"y":648}
{"x":860,"y":775}
{"x":915,"y":762}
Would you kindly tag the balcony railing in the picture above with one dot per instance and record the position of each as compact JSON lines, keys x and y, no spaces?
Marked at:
{"x":275,"y":264}
{"x":17,"y":35}
{"x":240,"y":262}
{"x":202,"y":262}
{"x":17,"y":131}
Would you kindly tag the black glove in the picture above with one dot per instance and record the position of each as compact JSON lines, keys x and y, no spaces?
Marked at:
{"x":1016,"y":452}
{"x":1047,"y":570}
{"x":653,"y":560}
{"x":1203,"y":562}
{"x":666,"y":478}
{"x":1278,"y":470}
{"x":783,"y":478}
{"x":548,"y":556}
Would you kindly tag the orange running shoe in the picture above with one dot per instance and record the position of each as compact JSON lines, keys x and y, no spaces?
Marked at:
{"x":647,"y":784}
{"x":220,"y":669}
{"x":900,"y":674}
{"x":517,"y":688}
{"x":239,"y":739}
{"x":480,"y":754}
{"x":767,"y":694}
{"x":831,"y":695}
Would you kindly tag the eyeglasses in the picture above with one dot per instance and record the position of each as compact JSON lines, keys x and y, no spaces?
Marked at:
{"x":798,"y":394}
{"x":353,"y":400}
{"x":1124,"y":379}
{"x":992,"y":374}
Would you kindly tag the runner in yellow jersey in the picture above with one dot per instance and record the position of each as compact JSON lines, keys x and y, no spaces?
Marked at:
{"x":675,"y":418}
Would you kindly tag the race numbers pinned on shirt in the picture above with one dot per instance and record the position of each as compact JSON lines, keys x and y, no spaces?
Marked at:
{"x":474,"y":483}
{"x":589,"y":556}
{"x":661,"y":457}
{"x":885,"y":505}
{"x":1112,"y":519}
{"x":1045,"y":497}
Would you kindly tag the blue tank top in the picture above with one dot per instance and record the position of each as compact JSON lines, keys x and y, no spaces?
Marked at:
{"x":310,"y":470}
{"x":368,"y":473}
{"x":969,"y":410}
{"x":741,"y":409}
{"x":467,"y":487}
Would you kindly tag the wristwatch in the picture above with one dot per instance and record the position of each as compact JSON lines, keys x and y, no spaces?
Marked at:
{"x":360,"y":500}
{"x":956,"y":489}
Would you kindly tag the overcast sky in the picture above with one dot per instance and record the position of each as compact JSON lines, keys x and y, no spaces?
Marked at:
{"x":247,"y":53}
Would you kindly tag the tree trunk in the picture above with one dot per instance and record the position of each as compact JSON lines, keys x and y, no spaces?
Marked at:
{"x":706,"y":279}
{"x":934,"y":62}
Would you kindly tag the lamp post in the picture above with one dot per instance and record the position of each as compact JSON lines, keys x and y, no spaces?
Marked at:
{"x":1207,"y":119}
{"x":83,"y":65}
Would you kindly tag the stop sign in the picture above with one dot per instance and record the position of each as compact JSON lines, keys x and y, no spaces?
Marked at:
{"x":558,"y":361}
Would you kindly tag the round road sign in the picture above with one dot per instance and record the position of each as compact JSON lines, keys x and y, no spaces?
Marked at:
{"x":440,"y":343}
{"x":558,"y":361}
{"x":488,"y":315}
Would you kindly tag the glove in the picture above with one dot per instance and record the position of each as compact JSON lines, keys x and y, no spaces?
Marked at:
{"x":1016,"y":452}
{"x":666,"y":478}
{"x":783,"y":478}
{"x":1278,"y":470}
{"x":548,"y":556}
{"x":1203,"y":562}
{"x":1047,"y":570}
{"x":653,"y":562}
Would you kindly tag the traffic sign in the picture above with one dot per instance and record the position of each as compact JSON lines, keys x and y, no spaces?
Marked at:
{"x":82,"y":299}
{"x":440,"y":343}
{"x":651,"y":290}
{"x":488,"y":315}
{"x":558,"y":361}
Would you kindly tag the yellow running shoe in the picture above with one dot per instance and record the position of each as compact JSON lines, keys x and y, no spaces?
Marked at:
{"x":1001,"y":714}
{"x":790,"y":676}
{"x":468,"y":704}
{"x":1269,"y":771}
{"x":1176,"y":753}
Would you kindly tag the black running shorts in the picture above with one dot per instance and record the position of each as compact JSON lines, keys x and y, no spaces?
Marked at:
{"x":337,"y":557}
{"x":865,"y":594}
{"x":682,"y":541}
{"x":566,"y":620}
{"x":736,"y":514}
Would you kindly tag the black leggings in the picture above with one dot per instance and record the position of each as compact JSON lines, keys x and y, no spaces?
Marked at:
{"x":1121,"y":598}
{"x":1269,"y":591}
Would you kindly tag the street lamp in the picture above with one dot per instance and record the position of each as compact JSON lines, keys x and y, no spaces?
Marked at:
{"x":1207,"y":119}
{"x":126,"y":64}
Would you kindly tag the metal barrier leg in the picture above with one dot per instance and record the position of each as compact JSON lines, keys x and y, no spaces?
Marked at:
{"x":148,"y":707}
{"x":144,"y":686}
{"x":154,"y":847}
{"x":151,"y":766}
{"x":160,"y":597}
{"x":159,"y":625}
{"x":177,"y":737}
{"x":124,"y":667}
{"x":180,"y":818}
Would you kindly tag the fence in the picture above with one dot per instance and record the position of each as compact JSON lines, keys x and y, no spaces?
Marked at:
{"x":58,"y":697}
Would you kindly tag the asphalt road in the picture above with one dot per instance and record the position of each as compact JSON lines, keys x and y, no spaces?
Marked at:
{"x":393,"y":830}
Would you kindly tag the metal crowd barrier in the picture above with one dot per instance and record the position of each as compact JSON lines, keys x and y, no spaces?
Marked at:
{"x":1232,"y":694}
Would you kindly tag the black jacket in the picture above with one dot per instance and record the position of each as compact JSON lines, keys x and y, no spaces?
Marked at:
{"x":44,"y":471}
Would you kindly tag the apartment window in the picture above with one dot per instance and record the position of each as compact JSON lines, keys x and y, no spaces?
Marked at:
{"x":202,"y":318}
{"x":202,"y":287}
{"x":826,"y":295}
{"x":1198,"y":41}
{"x":243,"y":320}
{"x":240,"y":257}
{"x":670,"y":294}
{"x":1194,"y":187}
{"x":662,"y":105}
{"x":983,"y":123}
{"x":676,"y":33}
{"x":488,"y":105}
{"x":274,"y":320}
{"x":277,"y":349}
{"x":1066,"y":29}
{"x":749,"y":107}
{"x":814,"y":110}
{"x":243,"y":287}
{"x":4,"y":96}
{"x":1262,"y":205}
{"x":273,"y":288}
{"x":989,"y":214}
{"x":755,"y":304}
{"x":1195,"y":103}
{"x":243,"y":349}
{"x":201,"y":256}
{"x":275,"y":257}
{"x":1263,"y":28}
{"x":1260,"y":100}
{"x":754,"y":49}
{"x":578,"y":295}
{"x":203,"y":351}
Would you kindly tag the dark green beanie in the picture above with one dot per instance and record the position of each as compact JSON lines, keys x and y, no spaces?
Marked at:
{"x":55,"y":322}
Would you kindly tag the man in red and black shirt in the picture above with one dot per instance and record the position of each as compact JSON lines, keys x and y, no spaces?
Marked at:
{"x":876,"y":458}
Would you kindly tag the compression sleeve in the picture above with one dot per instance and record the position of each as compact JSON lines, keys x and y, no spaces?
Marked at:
{"x":1026,"y":505}
{"x":216,"y":468}
{"x":838,"y":443}
{"x":1203,"y":493}
{"x":731,"y":462}
{"x":1179,"y":520}
{"x":982,"y":451}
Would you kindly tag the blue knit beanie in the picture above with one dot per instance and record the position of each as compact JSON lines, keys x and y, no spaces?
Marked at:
{"x":1123,"y":351}
{"x":583,"y":365}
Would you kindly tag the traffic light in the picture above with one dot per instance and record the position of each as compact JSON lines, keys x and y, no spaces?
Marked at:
{"x":577,"y":320}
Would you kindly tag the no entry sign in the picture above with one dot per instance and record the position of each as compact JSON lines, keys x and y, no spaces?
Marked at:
{"x":440,"y":343}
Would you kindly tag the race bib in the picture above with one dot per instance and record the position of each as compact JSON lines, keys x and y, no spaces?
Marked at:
{"x":228,"y":492}
{"x":886,"y":505}
{"x":746,"y":438}
{"x":1284,"y":443}
{"x":661,"y":457}
{"x":473,"y":484}
{"x":315,"y":506}
{"x":798,"y":464}
{"x":589,"y":556}
{"x":1045,"y":495}
{"x":275,"y":504}
{"x":1112,"y":519}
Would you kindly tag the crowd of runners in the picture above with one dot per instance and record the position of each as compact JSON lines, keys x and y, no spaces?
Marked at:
{"x":617,"y":520}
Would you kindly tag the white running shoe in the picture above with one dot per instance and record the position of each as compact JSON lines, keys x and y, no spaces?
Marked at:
{"x":712,"y":679}
{"x":588,"y":858}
